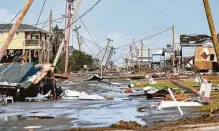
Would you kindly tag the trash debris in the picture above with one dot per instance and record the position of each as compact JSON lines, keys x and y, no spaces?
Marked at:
{"x":39,"y":97}
{"x":151,"y":81}
{"x":171,"y":104}
{"x":94,"y":77}
{"x":69,"y":95}
{"x":154,"y":92}
{"x":85,"y":96}
{"x":67,"y":83}
{"x":126,"y":125}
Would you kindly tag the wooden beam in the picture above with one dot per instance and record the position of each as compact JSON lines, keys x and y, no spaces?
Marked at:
{"x":212,"y":27}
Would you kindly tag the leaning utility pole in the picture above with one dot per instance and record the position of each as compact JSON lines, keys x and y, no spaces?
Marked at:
{"x":212,"y":28}
{"x":67,"y":38}
{"x":142,"y":48}
{"x":15,"y":28}
{"x":174,"y":49}
{"x":111,"y":50}
{"x":78,"y":37}
{"x":50,"y":35}
{"x":101,"y":66}
{"x":136,"y":53}
{"x":63,"y":41}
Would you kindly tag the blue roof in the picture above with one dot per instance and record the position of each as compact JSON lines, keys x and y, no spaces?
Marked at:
{"x":17,"y":73}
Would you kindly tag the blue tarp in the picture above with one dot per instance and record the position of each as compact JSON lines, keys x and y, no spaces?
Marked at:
{"x":17,"y":73}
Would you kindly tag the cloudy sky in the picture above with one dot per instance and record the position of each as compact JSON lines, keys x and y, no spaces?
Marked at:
{"x":123,"y":20}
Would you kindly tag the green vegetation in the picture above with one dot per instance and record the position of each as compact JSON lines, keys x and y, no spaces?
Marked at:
{"x":165,"y":84}
{"x":140,"y":84}
{"x":78,"y":59}
{"x":76,"y":62}
{"x":215,"y":82}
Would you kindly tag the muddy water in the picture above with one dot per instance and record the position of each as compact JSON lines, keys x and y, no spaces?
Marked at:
{"x":63,"y":114}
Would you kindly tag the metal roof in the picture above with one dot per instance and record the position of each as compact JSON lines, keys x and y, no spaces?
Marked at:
{"x":22,"y":27}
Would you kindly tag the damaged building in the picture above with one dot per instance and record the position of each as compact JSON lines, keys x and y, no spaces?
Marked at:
{"x":189,"y":43}
{"x":29,"y":42}
{"x":205,"y":58}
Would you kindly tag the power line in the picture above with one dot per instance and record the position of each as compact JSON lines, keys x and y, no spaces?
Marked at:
{"x":89,"y":48}
{"x":90,"y":9}
{"x":123,"y":55}
{"x":87,"y":30}
{"x":12,"y":19}
{"x":93,"y":43}
{"x":45,"y":24}
{"x":41,"y":12}
{"x":53,"y":21}
{"x":146,"y":38}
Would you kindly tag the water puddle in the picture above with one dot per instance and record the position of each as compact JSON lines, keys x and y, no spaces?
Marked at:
{"x":67,"y":114}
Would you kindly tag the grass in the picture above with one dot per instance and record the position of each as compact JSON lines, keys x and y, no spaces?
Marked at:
{"x":215,"y":82}
{"x":189,"y":83}
{"x":208,"y":108}
{"x":140,"y":84}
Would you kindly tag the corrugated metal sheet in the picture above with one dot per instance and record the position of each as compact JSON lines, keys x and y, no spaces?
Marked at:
{"x":156,"y":58}
{"x":188,"y":51}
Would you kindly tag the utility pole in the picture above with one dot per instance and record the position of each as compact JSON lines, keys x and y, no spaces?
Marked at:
{"x":15,"y":28}
{"x":63,"y":41}
{"x":142,"y":48}
{"x":137,"y":53}
{"x":212,"y":28}
{"x":101,"y":66}
{"x":78,"y":37}
{"x":174,"y":49}
{"x":130,"y":57}
{"x":49,"y":48}
{"x":111,"y":50}
{"x":67,"y":38}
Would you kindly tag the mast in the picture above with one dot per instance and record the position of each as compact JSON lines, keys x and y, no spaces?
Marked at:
{"x":15,"y":28}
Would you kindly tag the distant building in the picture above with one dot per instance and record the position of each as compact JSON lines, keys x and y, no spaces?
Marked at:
{"x":157,"y":59}
{"x":30,"y":41}
{"x":168,"y":55}
{"x":205,"y":58}
{"x":189,"y":43}
{"x":145,"y":57}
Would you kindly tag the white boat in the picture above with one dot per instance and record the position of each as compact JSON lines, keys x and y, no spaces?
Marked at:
{"x":171,"y":104}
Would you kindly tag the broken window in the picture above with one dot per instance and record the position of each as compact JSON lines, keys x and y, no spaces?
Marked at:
{"x":211,"y":57}
{"x":1,"y":33}
{"x":17,"y":33}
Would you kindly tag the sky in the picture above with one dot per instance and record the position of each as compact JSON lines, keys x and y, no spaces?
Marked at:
{"x":124,"y":20}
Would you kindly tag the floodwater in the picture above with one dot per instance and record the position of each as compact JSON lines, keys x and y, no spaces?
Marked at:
{"x":67,"y":114}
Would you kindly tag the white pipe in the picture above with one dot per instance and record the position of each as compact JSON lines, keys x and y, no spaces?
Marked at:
{"x":174,"y":99}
